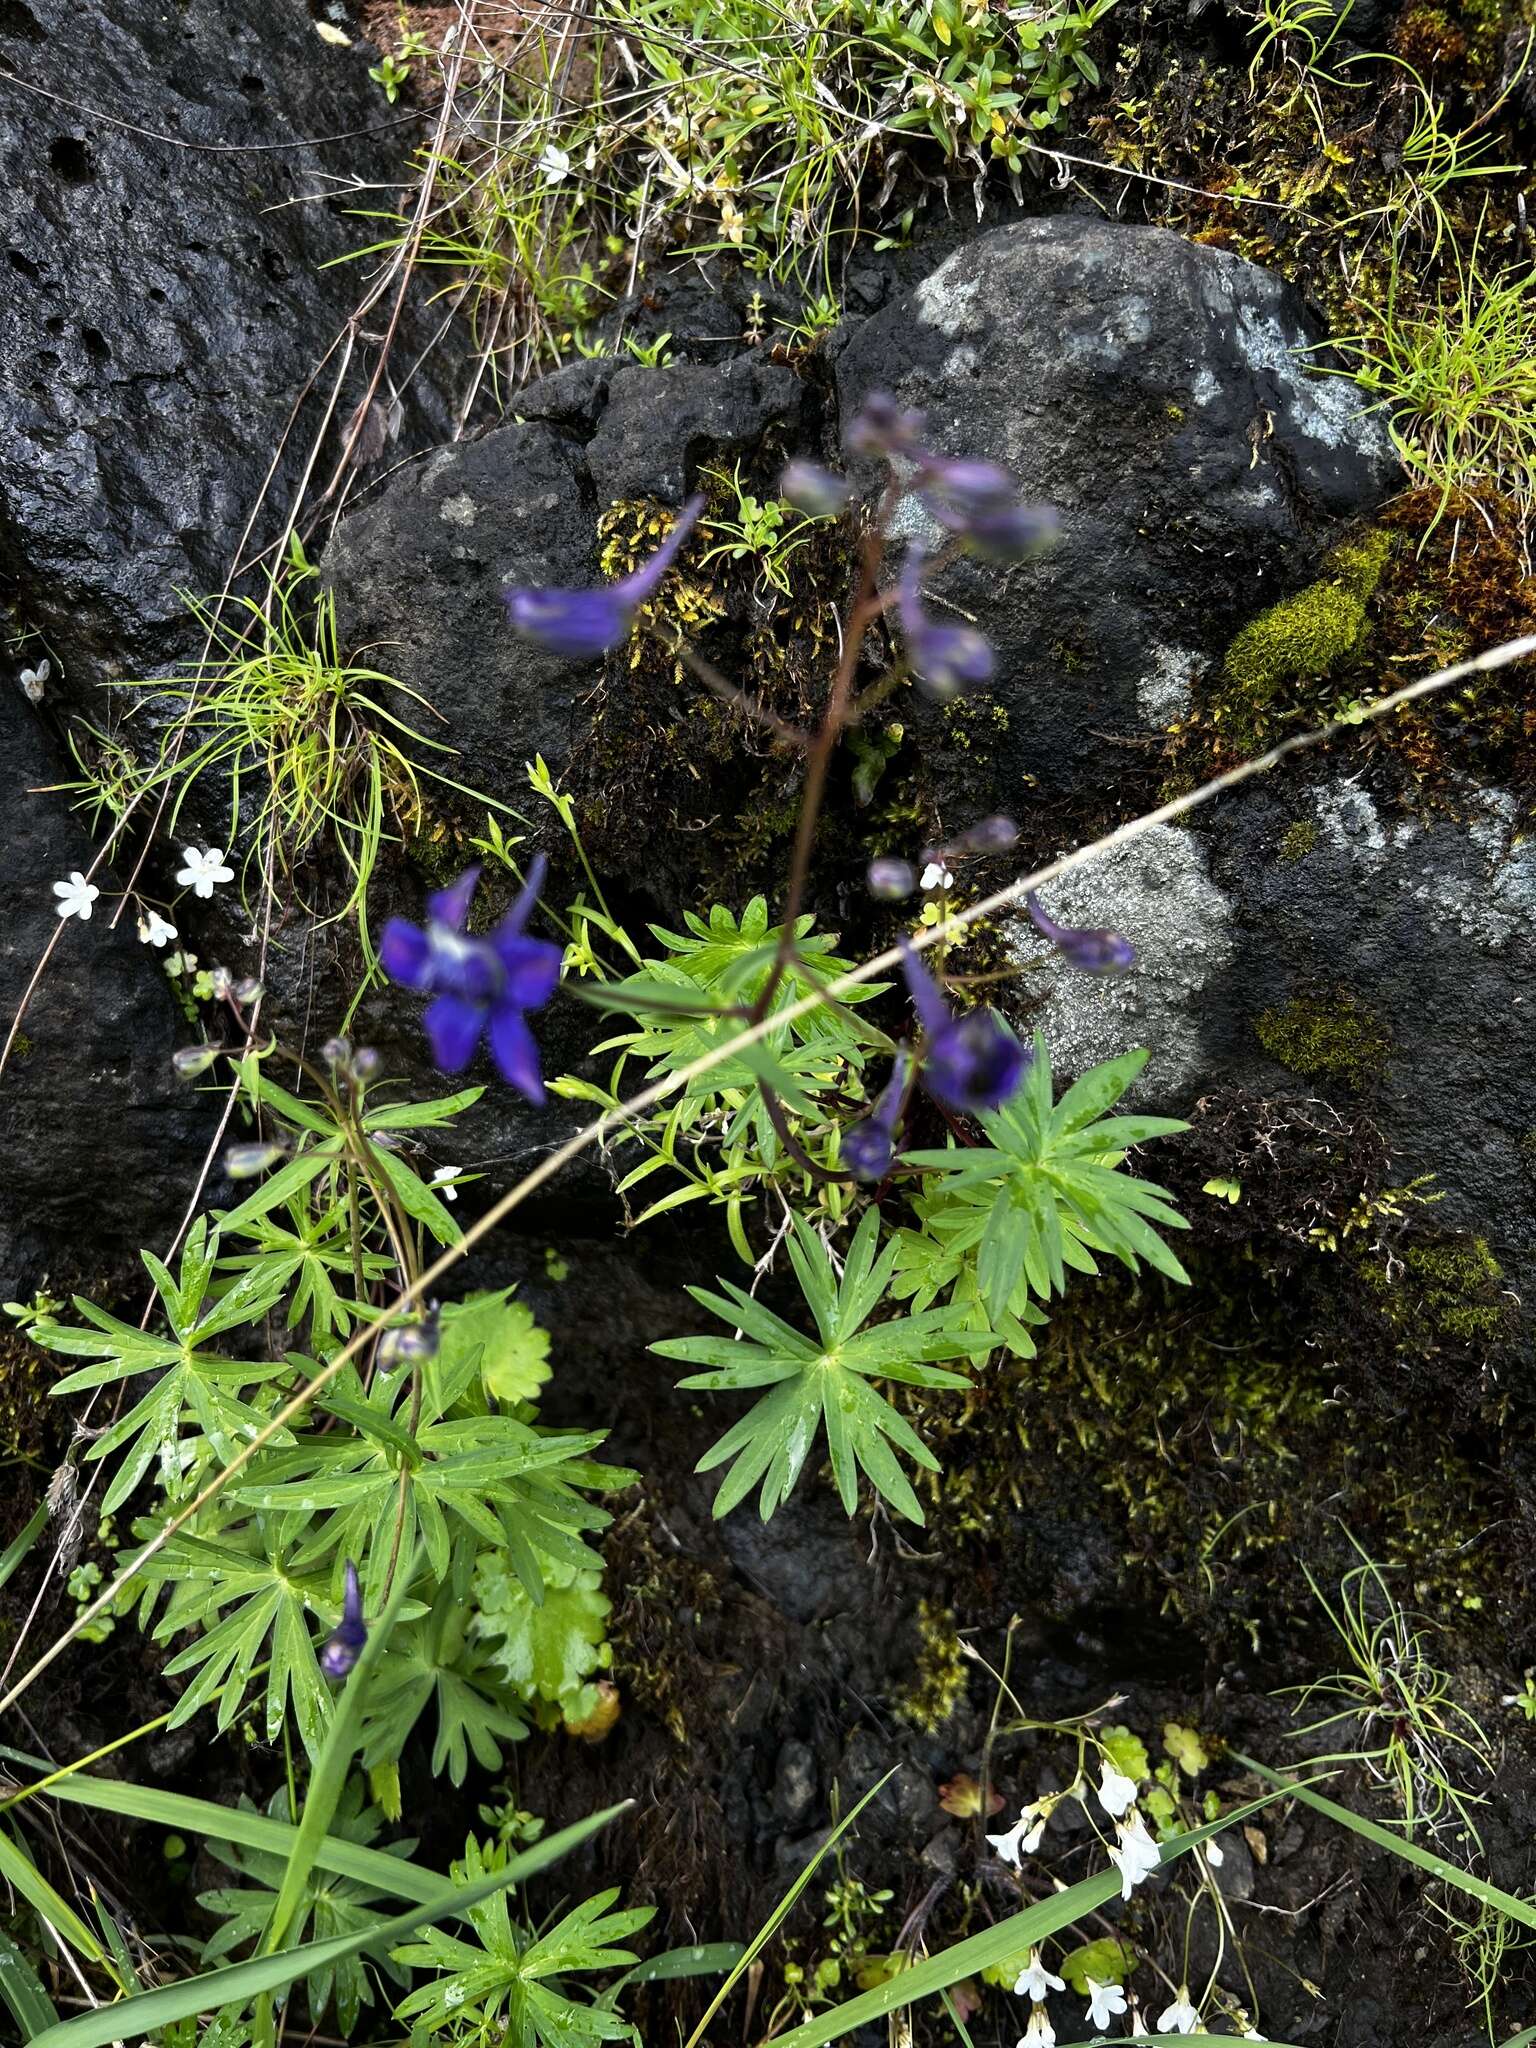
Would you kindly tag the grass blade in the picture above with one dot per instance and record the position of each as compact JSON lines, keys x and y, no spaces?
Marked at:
{"x":17,"y":1868}
{"x":21,"y":1989}
{"x":131,"y":2019}
{"x":1371,"y":1831}
{"x":18,"y":1547}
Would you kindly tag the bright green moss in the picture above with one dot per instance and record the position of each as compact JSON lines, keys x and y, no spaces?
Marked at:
{"x":1298,"y":841}
{"x":1457,"y":1288}
{"x":1336,"y":1036}
{"x":1299,"y":639}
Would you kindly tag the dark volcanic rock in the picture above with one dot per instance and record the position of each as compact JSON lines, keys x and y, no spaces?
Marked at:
{"x":166,"y":302}
{"x":101,"y":1141}
{"x":1147,"y":388}
{"x":659,"y":423}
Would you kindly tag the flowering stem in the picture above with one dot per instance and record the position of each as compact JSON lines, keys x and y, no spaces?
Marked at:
{"x":625,"y":1112}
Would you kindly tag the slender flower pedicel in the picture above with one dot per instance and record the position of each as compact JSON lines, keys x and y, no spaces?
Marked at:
{"x":349,"y":1635}
{"x":481,"y":987}
{"x":584,"y":624}
{"x":971,"y":1062}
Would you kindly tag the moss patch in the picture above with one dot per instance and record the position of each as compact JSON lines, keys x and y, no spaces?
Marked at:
{"x":1334,"y":1036}
{"x":1298,"y":841}
{"x":1447,"y":1290}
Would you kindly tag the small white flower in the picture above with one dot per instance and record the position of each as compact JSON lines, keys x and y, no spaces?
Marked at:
{"x":1023,"y":1838}
{"x":76,"y":897}
{"x":1179,"y":2018}
{"x":935,"y":876}
{"x":443,"y":1180}
{"x":1117,"y":1792}
{"x":1039,"y":2033}
{"x":1213,"y":1853}
{"x":1138,"y":2031}
{"x":200,"y":871}
{"x":154,"y":931}
{"x":33,"y":680}
{"x":1036,"y":1979}
{"x":1104,"y":2001}
{"x":1135,"y":1855}
{"x":554,"y":164}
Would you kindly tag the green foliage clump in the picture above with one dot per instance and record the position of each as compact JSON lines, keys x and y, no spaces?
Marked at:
{"x":1334,"y":1036}
{"x":1450,"y":1289}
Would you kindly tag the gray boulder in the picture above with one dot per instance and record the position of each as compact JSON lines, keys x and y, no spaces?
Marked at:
{"x":1151,"y":390}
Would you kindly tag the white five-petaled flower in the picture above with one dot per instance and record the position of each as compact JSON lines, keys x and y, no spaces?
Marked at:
{"x":554,"y":164}
{"x":935,"y":876}
{"x":1039,"y":2033}
{"x":1135,"y":1854}
{"x":1104,"y":2001}
{"x":154,"y":931}
{"x":200,"y":871}
{"x":76,"y":897}
{"x":1181,"y":2017}
{"x":443,"y":1181}
{"x":1036,"y":1979}
{"x":1023,"y":1838}
{"x":1117,"y":1792}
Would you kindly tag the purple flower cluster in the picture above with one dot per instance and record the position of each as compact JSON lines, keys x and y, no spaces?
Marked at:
{"x":481,"y":987}
{"x":585,"y":624}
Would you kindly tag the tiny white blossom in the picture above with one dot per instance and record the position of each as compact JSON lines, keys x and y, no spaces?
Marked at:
{"x":1179,"y":2018}
{"x":1117,"y":1792}
{"x":935,"y":876}
{"x":1039,"y":2033}
{"x":1036,"y":1979}
{"x":1138,"y":2031}
{"x":1213,"y":1853}
{"x":76,"y":897}
{"x":154,"y":931}
{"x":1135,"y":1854}
{"x":554,"y":163}
{"x":1104,"y":2001}
{"x":1023,"y":1838}
{"x":34,"y":679}
{"x":200,"y":871}
{"x":443,"y":1180}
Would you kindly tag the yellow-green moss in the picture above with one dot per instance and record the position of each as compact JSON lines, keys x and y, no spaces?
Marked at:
{"x":941,"y":1672}
{"x":1303,"y":638}
{"x":1334,"y":1035}
{"x":1298,"y":840}
{"x":1449,"y":1289}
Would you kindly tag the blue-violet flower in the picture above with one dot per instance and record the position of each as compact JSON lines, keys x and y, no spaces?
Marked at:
{"x":583,"y":624}
{"x":1091,"y":952}
{"x":813,"y":490}
{"x":972,"y":1062}
{"x":948,"y":659}
{"x":869,"y":1146}
{"x":346,"y":1641}
{"x":980,"y":501}
{"x":481,"y":986}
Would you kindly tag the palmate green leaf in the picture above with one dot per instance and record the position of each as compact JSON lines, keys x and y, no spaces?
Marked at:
{"x":273,"y":1608}
{"x":435,"y":1662}
{"x":548,"y":1650}
{"x":140,"y":2017}
{"x":328,"y":1906}
{"x":508,"y":1349}
{"x":824,"y":1385}
{"x":509,"y":1984}
{"x":1048,"y":1191}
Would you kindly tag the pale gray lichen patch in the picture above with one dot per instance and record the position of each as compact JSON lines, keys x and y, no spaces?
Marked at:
{"x":459,"y":510}
{"x":1158,"y":892}
{"x":1330,"y":410}
{"x":1165,"y":690}
{"x":951,"y":301}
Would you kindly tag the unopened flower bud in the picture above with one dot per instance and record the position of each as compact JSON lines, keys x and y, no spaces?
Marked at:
{"x":890,"y":881}
{"x":987,"y":835}
{"x":408,"y":1343}
{"x":1090,"y":952}
{"x":244,"y":1162}
{"x":248,"y":990}
{"x":336,"y":1051}
{"x":813,"y":490}
{"x":348,"y":1637}
{"x":192,"y":1060}
{"x":222,"y":982}
{"x":365,"y":1063}
{"x":883,"y":428}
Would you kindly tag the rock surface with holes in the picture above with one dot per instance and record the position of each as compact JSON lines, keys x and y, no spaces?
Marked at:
{"x":1153,"y":391}
{"x":167,"y":221}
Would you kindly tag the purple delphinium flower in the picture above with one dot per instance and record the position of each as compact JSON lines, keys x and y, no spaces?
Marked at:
{"x":481,"y":986}
{"x":583,"y":624}
{"x":890,"y":880}
{"x":882,"y":427}
{"x":948,"y":659}
{"x":1089,"y":951}
{"x":987,"y":835}
{"x":346,"y":1641}
{"x":972,"y":1062}
{"x":868,"y":1147}
{"x":980,"y":501}
{"x":813,"y":490}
